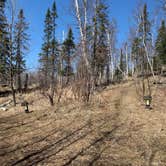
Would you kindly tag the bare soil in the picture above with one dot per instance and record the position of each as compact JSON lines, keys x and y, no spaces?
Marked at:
{"x":115,"y":129}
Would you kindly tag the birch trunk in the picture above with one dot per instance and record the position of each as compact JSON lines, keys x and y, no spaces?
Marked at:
{"x":127,"y":63}
{"x":82,"y":28}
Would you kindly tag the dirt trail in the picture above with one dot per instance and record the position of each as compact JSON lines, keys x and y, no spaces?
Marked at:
{"x":115,"y":131}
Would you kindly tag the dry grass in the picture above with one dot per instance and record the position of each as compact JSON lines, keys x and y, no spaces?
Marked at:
{"x":114,"y":130}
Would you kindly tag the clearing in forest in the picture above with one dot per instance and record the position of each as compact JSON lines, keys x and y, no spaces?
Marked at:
{"x":114,"y":129}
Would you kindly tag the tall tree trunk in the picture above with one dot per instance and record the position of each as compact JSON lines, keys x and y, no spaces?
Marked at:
{"x":68,"y":68}
{"x":83,"y":32}
{"x":61,"y":69}
{"x":11,"y":53}
{"x":26,"y":83}
{"x":108,"y":73}
{"x":83,"y":29}
{"x":52,"y":85}
{"x":12,"y":87}
{"x":19,"y":82}
{"x":127,"y":63}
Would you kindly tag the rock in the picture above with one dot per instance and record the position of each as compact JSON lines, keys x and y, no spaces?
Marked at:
{"x":3,"y":108}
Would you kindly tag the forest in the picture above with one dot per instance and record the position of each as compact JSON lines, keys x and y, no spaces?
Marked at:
{"x":90,"y":100}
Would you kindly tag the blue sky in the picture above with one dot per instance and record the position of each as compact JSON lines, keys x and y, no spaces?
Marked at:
{"x":121,"y":10}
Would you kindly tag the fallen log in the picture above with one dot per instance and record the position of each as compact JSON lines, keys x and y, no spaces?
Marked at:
{"x":5,"y":93}
{"x":6,"y":103}
{"x":5,"y":106}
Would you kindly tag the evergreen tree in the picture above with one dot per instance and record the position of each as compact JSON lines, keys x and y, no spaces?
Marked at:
{"x":4,"y":42}
{"x":145,"y":25}
{"x":11,"y":50}
{"x":100,"y":47}
{"x":161,"y":44}
{"x":142,"y":47}
{"x":54,"y":54}
{"x":54,"y":44}
{"x":54,"y":16}
{"x":120,"y":70}
{"x":20,"y":46}
{"x":49,"y":54}
{"x":68,"y":48}
{"x":136,"y":49}
{"x":122,"y":65}
{"x":142,"y":42}
{"x":102,"y":21}
{"x":46,"y":48}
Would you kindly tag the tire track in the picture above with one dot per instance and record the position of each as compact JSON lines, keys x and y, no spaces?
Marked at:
{"x":33,"y":141}
{"x":31,"y":156}
{"x":99,"y":140}
{"x":92,"y":133}
{"x":5,"y":129}
{"x":54,"y":148}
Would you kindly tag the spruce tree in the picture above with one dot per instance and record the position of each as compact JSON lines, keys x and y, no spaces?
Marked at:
{"x":145,"y":39}
{"x":54,"y":44}
{"x":136,"y":49}
{"x":49,"y":54}
{"x":68,"y":48}
{"x":100,"y":45}
{"x":161,"y":44}
{"x":4,"y":43}
{"x":145,"y":25}
{"x":54,"y":54}
{"x":46,"y":48}
{"x":142,"y":46}
{"x":121,"y":69}
{"x":54,"y":17}
{"x":20,"y":46}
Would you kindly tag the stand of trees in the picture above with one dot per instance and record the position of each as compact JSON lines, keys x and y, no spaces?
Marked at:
{"x":4,"y":41}
{"x":13,"y":44}
{"x":160,"y":46}
{"x":91,"y":62}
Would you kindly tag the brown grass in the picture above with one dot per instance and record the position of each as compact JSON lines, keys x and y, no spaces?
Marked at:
{"x":115,"y":129}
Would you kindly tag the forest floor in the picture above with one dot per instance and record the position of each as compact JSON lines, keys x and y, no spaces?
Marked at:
{"x":114,"y":130}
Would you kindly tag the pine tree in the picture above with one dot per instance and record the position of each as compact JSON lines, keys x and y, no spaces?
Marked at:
{"x":145,"y":38}
{"x":121,"y":67}
{"x":46,"y":46}
{"x":49,"y":54}
{"x":12,"y":70}
{"x":54,"y":54}
{"x":20,"y":46}
{"x":122,"y":64}
{"x":100,"y":47}
{"x":54,"y":44}
{"x":142,"y":42}
{"x":4,"y":42}
{"x":54,"y":17}
{"x":102,"y":21}
{"x":136,"y":49}
{"x":145,"y":25}
{"x":68,"y":48}
{"x":142,"y":47}
{"x":161,"y":44}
